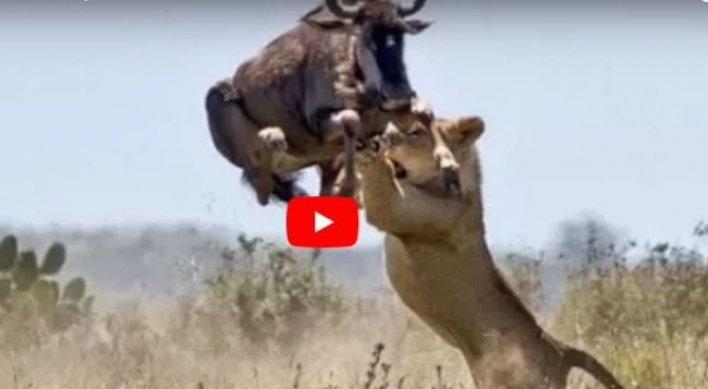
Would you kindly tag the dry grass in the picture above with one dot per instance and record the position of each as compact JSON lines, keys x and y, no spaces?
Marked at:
{"x":123,"y":351}
{"x":646,"y":322}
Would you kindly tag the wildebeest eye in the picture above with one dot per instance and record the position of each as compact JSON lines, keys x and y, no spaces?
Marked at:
{"x":390,"y":41}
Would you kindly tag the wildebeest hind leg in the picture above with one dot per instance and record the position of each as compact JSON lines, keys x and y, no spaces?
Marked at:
{"x":237,"y":139}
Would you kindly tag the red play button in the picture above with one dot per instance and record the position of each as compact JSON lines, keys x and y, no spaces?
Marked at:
{"x":322,"y":221}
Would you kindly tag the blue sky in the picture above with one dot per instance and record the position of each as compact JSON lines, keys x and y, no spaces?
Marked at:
{"x":102,"y":118}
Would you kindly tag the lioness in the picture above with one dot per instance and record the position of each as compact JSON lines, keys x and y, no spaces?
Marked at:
{"x":439,"y":264}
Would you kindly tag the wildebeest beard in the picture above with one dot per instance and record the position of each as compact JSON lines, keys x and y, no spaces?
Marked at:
{"x":388,"y":48}
{"x":380,"y":48}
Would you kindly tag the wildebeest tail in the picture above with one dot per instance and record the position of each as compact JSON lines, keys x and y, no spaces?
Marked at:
{"x":222,"y":106}
{"x":286,"y":188}
{"x":581,"y":359}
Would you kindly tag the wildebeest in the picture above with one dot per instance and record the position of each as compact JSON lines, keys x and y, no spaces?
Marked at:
{"x":300,"y":101}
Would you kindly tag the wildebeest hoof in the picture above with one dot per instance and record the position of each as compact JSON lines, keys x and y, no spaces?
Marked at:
{"x":423,"y":110}
{"x":449,"y":168}
{"x":359,"y":198}
{"x":273,"y":138}
{"x":263,"y":199}
{"x":349,"y":121}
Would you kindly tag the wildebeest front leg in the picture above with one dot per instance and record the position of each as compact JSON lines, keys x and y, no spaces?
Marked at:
{"x":345,"y":123}
{"x":329,"y":175}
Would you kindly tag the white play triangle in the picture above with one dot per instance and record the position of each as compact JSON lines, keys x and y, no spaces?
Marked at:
{"x":321,"y":222}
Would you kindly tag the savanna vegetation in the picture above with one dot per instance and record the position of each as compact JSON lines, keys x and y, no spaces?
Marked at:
{"x":270,"y":318}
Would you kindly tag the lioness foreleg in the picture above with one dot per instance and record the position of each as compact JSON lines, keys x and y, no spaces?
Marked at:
{"x":398,"y":207}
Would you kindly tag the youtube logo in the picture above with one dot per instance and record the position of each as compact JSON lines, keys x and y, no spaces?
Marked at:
{"x":322,"y":221}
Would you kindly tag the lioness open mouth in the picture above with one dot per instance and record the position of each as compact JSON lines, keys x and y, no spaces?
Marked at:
{"x":398,"y":170}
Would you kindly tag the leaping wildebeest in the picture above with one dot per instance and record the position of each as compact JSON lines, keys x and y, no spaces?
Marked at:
{"x":313,"y":92}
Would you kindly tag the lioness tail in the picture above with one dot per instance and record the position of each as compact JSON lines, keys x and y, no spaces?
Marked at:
{"x":581,"y":359}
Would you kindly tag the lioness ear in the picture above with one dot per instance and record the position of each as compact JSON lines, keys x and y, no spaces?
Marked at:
{"x":322,"y":17}
{"x":415,"y":26}
{"x":470,"y":127}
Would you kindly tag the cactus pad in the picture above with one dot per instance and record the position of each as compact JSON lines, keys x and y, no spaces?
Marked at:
{"x":46,"y":293}
{"x":8,"y":253}
{"x":26,"y":271}
{"x":54,"y":259}
{"x":74,"y":290}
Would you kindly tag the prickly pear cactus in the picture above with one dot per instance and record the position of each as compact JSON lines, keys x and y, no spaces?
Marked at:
{"x":46,"y":293}
{"x":53,"y":260}
{"x":23,"y":278}
{"x":8,"y":253}
{"x":26,"y":271}
{"x":5,"y":290}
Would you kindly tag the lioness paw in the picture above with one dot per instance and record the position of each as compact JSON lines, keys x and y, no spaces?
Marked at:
{"x":365,"y":157}
{"x":373,"y":151}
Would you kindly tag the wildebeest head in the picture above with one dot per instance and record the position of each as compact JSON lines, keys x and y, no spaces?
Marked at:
{"x":381,"y":49}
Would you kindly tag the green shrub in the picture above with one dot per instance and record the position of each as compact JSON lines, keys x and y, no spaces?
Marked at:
{"x":274,"y":296}
{"x":28,"y":291}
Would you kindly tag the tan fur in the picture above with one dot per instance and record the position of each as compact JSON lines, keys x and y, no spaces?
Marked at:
{"x":439,"y":264}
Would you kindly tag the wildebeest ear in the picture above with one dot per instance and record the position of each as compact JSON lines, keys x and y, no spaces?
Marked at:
{"x":416,"y":26}
{"x":322,"y":17}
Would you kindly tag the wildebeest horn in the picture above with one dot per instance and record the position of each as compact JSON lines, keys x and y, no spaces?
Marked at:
{"x":408,"y":11}
{"x":345,"y":11}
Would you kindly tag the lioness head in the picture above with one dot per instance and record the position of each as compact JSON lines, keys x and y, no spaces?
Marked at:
{"x":411,"y":149}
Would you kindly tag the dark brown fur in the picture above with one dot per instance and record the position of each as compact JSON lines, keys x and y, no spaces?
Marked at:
{"x":305,"y":93}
